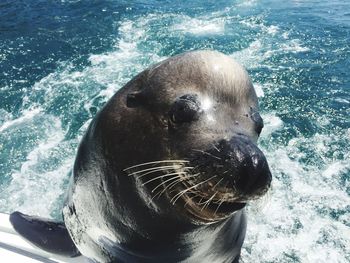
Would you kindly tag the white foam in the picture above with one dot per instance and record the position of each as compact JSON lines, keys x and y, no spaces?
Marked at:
{"x":31,"y":189}
{"x":114,"y":69}
{"x":252,"y":56}
{"x":285,"y":35}
{"x":247,"y":3}
{"x":272,"y":29}
{"x":294,"y":46}
{"x":2,"y":57}
{"x":107,"y":73}
{"x":256,"y":22}
{"x":26,"y":115}
{"x":298,"y":222}
{"x":271,"y":123}
{"x":270,"y":41}
{"x":197,"y":26}
{"x":345,"y":101}
{"x":259,"y":90}
{"x":4,"y":117}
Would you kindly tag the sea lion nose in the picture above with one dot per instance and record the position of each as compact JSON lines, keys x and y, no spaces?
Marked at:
{"x":244,"y":165}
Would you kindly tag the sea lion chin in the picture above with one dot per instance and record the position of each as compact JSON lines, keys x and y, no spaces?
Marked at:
{"x":168,"y":164}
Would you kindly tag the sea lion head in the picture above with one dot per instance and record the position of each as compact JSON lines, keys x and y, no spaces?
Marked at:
{"x":195,"y":124}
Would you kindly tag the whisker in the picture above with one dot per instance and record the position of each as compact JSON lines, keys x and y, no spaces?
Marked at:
{"x":200,"y":201}
{"x":207,"y":203}
{"x":151,"y":172}
{"x":221,"y":202}
{"x":178,"y":179}
{"x":163,"y":176}
{"x":155,"y":162}
{"x":186,"y":178}
{"x":161,"y":183}
{"x":154,"y":171}
{"x":216,"y":148}
{"x":204,"y":152}
{"x":178,"y":195}
{"x":190,"y":199}
{"x":154,"y":168}
{"x":173,"y":184}
{"x":218,"y":183}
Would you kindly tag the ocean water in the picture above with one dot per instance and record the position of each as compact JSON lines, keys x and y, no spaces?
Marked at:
{"x":60,"y":61}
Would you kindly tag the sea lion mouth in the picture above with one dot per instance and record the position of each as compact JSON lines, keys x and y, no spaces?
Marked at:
{"x":207,"y":201}
{"x":210,"y":210}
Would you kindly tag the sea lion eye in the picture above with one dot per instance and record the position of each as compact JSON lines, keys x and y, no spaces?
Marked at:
{"x":185,"y":109}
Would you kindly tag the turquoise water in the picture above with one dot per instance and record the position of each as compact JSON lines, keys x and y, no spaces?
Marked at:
{"x":60,"y":61}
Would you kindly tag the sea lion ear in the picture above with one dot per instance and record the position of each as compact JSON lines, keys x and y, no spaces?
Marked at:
{"x":134,"y":99}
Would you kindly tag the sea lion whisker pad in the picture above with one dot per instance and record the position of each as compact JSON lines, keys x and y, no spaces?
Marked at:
{"x":165,"y":169}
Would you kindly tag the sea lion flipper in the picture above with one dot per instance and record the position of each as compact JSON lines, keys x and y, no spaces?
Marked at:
{"x":44,"y":233}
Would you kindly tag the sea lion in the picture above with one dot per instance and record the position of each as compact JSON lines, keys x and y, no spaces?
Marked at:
{"x":165,"y":168}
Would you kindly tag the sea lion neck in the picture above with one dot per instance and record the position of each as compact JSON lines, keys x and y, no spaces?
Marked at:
{"x":200,"y":243}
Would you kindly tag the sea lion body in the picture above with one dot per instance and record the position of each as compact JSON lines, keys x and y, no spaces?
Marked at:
{"x":166,"y":167}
